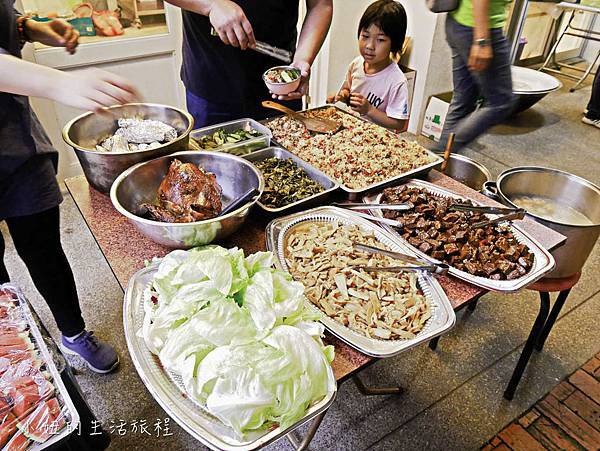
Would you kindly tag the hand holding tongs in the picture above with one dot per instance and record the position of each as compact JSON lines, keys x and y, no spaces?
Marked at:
{"x":363,"y":206}
{"x":422,"y":264}
{"x":267,"y":49}
{"x":508,"y":213}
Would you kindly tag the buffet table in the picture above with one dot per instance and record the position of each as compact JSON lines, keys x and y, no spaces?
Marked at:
{"x":126,"y":250}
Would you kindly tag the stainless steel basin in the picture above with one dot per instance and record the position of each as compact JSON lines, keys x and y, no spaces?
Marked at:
{"x":467,"y":171}
{"x":102,"y":168}
{"x":565,"y":189}
{"x":139,"y":184}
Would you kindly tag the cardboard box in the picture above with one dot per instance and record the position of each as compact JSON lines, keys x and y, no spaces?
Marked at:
{"x":435,"y":115}
{"x":411,"y":76}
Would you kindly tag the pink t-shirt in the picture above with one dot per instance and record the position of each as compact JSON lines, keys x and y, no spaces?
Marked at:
{"x":386,"y":90}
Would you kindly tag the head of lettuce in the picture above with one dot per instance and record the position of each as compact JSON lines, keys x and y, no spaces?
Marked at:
{"x":240,"y":334}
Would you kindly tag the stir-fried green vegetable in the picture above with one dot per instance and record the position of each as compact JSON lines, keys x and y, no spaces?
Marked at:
{"x":221,"y":138}
{"x":285,"y":182}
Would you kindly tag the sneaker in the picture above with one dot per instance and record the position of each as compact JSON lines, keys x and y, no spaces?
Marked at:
{"x":99,"y":356}
{"x":594,"y":122}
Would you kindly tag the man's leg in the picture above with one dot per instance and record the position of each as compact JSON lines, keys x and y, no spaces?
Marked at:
{"x":466,"y":92}
{"x":495,"y":86}
{"x":593,"y":113}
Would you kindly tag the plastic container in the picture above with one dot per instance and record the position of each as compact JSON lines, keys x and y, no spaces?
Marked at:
{"x":242,"y":147}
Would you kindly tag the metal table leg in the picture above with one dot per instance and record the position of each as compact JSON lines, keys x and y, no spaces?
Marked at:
{"x":533,"y":338}
{"x":302,"y":443}
{"x":558,"y":304}
{"x":370,"y":391}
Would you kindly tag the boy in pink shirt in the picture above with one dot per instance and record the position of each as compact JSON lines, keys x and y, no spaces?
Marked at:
{"x":375,"y":86}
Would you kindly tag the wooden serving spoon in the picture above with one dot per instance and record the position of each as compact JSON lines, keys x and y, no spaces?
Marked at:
{"x":312,"y":124}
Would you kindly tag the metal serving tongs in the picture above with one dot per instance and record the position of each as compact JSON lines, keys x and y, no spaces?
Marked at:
{"x":507,"y":213}
{"x":421,"y":264}
{"x":267,"y":49}
{"x":363,"y":206}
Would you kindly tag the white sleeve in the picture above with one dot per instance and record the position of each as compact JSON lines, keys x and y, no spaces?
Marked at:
{"x":397,"y":106}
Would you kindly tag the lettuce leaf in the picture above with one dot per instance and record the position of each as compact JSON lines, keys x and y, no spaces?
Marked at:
{"x":240,"y":334}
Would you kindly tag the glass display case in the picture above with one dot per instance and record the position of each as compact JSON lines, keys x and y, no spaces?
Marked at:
{"x":102,"y":20}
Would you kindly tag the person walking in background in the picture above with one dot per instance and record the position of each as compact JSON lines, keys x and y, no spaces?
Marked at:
{"x":29,"y":192}
{"x":480,"y":68}
{"x":592,"y":114}
{"x":222,"y":76}
{"x":375,"y":86}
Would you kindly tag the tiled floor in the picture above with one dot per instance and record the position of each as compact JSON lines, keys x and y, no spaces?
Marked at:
{"x":453,"y":398}
{"x":567,"y":418}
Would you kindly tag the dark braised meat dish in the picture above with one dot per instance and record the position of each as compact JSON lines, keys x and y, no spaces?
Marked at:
{"x":448,"y":236}
{"x":188,"y":193}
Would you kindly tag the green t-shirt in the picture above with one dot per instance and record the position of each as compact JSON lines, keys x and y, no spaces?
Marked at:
{"x":498,"y":11}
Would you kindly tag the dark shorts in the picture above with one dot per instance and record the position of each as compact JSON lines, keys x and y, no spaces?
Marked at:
{"x":207,"y":113}
{"x":31,"y":189}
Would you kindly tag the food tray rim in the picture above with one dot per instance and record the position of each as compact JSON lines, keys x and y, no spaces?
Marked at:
{"x":421,"y":170}
{"x":265,"y":136}
{"x":503,"y":286}
{"x":49,"y":363}
{"x":160,"y":389}
{"x":366,"y":345}
{"x":255,"y":156}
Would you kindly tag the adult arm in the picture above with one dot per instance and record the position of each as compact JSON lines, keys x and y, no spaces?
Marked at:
{"x":227,"y":18}
{"x":480,"y":56}
{"x":312,"y":35}
{"x":87,"y":90}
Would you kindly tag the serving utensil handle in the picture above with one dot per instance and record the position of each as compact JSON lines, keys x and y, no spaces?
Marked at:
{"x":278,"y":107}
{"x":447,"y":152}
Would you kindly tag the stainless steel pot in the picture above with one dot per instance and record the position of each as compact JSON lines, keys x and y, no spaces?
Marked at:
{"x":467,"y":171}
{"x":139,"y":184}
{"x":566,"y":189}
{"x":102,"y":168}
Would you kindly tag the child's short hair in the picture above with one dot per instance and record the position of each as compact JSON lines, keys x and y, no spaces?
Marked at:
{"x":388,"y":15}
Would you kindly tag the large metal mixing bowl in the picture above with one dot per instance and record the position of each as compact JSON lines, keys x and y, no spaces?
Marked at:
{"x":566,"y":189}
{"x":139,"y":184}
{"x":466,"y":171}
{"x":102,"y":168}
{"x":530,"y":86}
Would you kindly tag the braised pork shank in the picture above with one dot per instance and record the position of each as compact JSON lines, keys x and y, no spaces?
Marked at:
{"x":446,"y":235}
{"x":188,"y":193}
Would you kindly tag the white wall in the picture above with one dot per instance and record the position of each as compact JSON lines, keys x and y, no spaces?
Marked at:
{"x":343,"y":47}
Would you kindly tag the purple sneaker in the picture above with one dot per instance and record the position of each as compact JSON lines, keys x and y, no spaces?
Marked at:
{"x":99,"y":356}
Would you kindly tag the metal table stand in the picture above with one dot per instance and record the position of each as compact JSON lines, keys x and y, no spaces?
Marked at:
{"x":301,"y":444}
{"x":551,"y":65}
{"x":543,"y":323}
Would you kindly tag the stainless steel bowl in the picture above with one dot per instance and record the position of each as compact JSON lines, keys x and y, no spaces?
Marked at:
{"x":530,"y":86}
{"x":102,"y":168}
{"x":566,"y":189}
{"x":467,"y":171}
{"x":139,"y":184}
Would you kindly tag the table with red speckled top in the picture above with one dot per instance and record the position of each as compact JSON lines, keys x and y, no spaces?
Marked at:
{"x":126,"y":249}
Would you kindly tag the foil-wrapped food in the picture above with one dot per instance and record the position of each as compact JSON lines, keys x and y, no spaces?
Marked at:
{"x":136,"y":134}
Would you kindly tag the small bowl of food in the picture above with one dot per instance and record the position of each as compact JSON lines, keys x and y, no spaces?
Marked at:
{"x":282,"y":80}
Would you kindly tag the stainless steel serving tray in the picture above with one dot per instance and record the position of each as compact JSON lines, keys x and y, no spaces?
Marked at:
{"x":168,"y":390}
{"x":442,"y":318}
{"x":356,"y":193}
{"x":543,"y":261}
{"x":324,"y":180}
{"x":68,"y":409}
